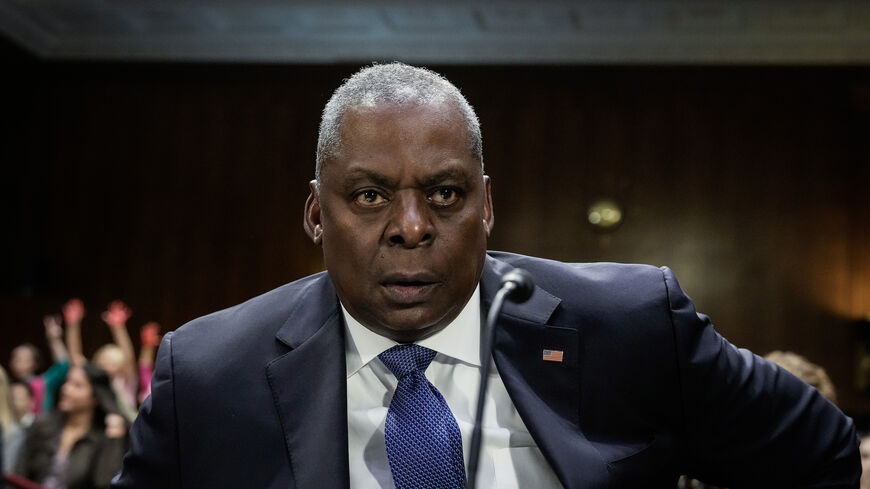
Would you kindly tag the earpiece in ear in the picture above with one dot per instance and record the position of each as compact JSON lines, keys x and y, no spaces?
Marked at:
{"x":318,"y":234}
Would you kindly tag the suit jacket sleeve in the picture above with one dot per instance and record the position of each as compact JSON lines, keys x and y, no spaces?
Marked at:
{"x":153,"y":458}
{"x":750,"y":423}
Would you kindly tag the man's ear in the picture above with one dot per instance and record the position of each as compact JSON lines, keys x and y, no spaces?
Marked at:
{"x":311,"y":220}
{"x":488,"y":215}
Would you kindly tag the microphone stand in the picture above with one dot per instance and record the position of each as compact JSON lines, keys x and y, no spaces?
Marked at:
{"x":518,"y":284}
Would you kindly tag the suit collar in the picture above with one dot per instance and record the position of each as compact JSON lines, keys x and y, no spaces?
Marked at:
{"x":315,"y":302}
{"x":537,"y":309}
{"x":309,"y":390}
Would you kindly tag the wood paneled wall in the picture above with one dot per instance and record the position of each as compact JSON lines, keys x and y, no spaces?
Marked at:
{"x":179,"y":188}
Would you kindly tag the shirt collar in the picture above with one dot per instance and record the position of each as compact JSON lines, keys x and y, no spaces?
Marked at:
{"x":459,"y":340}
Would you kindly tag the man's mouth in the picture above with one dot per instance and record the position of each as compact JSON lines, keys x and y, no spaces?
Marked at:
{"x":409,"y":288}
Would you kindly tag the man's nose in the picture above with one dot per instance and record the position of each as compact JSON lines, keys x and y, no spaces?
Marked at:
{"x":410,"y":221}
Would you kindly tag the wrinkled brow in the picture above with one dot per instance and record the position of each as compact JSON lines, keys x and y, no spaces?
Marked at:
{"x":450,"y":175}
{"x":355,"y":176}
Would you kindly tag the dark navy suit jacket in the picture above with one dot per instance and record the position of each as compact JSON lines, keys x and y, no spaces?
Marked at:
{"x":255,"y":396}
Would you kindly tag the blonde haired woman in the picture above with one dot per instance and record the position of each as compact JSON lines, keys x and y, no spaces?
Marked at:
{"x":13,"y":433}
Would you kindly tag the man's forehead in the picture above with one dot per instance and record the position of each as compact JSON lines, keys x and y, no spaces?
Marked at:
{"x":444,"y":109}
{"x":388,"y":174}
{"x":384,"y":122}
{"x":370,"y":127}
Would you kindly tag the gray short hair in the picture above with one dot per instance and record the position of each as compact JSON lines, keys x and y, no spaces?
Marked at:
{"x":393,"y":83}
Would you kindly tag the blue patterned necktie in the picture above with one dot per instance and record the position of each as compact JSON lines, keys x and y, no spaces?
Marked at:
{"x":424,"y":445}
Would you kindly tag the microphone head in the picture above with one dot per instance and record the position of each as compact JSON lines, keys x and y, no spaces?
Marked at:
{"x":524,"y":285}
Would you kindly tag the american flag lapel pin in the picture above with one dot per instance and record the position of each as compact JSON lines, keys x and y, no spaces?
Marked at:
{"x":552,"y":355}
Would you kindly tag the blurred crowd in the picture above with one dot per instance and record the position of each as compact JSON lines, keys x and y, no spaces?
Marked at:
{"x":66,"y":427}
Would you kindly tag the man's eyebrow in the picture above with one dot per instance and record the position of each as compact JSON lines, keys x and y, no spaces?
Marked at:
{"x":457,"y":176}
{"x":356,"y":175}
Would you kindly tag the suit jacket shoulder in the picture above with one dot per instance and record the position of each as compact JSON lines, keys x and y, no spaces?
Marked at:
{"x":662,"y":393}
{"x":214,"y":418}
{"x":250,"y":328}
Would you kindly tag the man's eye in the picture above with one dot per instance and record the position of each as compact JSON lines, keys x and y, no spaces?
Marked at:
{"x":444,"y":196}
{"x":369,"y":197}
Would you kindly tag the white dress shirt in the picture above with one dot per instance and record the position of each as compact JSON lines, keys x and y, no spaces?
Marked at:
{"x":510,"y":458}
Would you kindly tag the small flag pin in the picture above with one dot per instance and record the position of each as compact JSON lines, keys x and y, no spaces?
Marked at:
{"x":552,"y":355}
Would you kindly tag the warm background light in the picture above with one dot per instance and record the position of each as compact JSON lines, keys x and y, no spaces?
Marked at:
{"x":604,"y":214}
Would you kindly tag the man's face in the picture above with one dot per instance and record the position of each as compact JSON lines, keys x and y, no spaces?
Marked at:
{"x":403,"y":214}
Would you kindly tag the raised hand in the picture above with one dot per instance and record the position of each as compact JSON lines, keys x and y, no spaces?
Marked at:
{"x":117,"y":314}
{"x":53,"y":329}
{"x":73,"y":311}
{"x":149,"y":334}
{"x":116,"y":426}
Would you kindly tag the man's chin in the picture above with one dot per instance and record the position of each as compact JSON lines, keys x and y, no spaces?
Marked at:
{"x":408,"y":328}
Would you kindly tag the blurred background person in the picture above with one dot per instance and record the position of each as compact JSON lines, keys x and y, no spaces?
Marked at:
{"x":865,"y":460}
{"x":130,"y":379}
{"x":81,"y":443}
{"x":73,"y":313}
{"x":805,"y":370}
{"x":149,"y":336}
{"x":22,"y":402}
{"x":117,"y":359}
{"x":25,"y":361}
{"x":11,"y":430}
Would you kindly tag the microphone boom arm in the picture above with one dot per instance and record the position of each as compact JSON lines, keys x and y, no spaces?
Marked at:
{"x":516,"y":286}
{"x":488,"y":343}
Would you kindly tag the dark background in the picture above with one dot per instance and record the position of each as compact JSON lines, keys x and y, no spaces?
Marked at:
{"x":179,"y":187}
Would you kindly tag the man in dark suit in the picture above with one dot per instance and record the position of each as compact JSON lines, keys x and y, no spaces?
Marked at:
{"x":606,"y":377}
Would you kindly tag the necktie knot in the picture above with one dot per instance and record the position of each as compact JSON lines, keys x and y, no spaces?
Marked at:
{"x":404,"y":359}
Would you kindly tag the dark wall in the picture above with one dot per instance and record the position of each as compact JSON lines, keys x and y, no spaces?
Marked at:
{"x":179,"y":188}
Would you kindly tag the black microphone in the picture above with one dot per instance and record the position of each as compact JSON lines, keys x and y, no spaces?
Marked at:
{"x":516,"y":286}
{"x":520,"y":285}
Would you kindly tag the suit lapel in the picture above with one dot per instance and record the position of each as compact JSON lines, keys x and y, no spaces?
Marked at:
{"x":545,"y":393}
{"x":308,"y":386}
